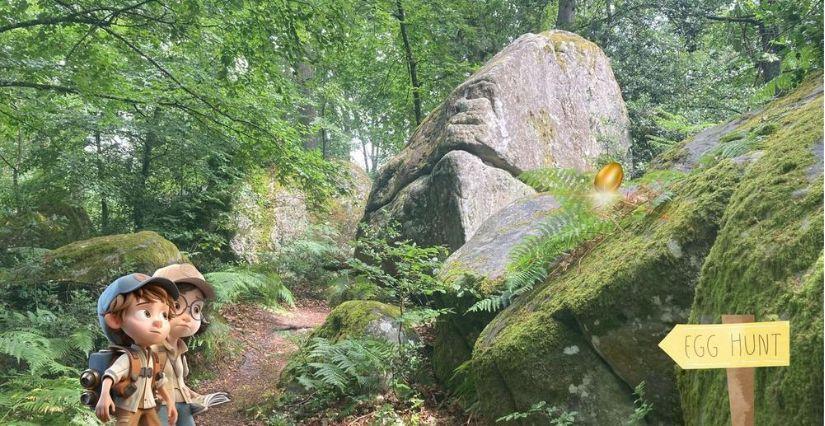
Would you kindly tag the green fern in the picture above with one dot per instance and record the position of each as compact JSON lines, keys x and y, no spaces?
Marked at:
{"x":575,"y":222}
{"x":556,"y":181}
{"x":349,"y":366}
{"x":237,"y":285}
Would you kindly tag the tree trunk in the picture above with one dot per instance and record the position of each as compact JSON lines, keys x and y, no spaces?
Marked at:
{"x":567,"y":15}
{"x":411,"y":62}
{"x":150,"y":141}
{"x":366,"y":155}
{"x":608,"y":25}
{"x":104,"y":205}
{"x":15,"y":171}
{"x":304,"y":72}
{"x":324,"y":146}
{"x":768,"y":69}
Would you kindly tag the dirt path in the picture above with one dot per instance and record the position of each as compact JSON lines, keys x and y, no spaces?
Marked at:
{"x":251,"y":375}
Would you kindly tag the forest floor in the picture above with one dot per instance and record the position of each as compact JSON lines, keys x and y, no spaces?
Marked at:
{"x":265,"y":341}
{"x":251,"y":375}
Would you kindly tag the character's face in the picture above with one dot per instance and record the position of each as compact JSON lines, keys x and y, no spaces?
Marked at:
{"x":189,"y":314}
{"x":146,"y":322}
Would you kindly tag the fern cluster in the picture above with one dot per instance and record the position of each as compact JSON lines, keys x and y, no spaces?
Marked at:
{"x":349,"y":366}
{"x":236,"y":285}
{"x":575,"y":222}
{"x":39,"y":382}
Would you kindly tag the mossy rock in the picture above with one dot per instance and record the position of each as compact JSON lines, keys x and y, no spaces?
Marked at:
{"x":767,"y":261}
{"x":583,"y":339}
{"x":362,"y":318}
{"x":98,"y":261}
{"x":740,"y":235}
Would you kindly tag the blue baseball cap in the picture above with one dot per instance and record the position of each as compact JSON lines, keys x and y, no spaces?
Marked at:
{"x":128,"y":284}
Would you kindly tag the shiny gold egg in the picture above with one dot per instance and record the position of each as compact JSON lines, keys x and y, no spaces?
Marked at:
{"x":609,"y":177}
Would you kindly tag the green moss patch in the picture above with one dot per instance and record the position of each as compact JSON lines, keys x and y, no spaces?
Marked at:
{"x":607,"y":314}
{"x":100,"y":260}
{"x":767,"y":261}
{"x":352,"y":318}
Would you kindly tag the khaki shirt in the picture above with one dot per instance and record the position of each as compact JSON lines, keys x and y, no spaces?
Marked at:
{"x":144,"y":396}
{"x":175,"y":370}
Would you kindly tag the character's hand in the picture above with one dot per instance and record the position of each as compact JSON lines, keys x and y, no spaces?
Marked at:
{"x":173,"y":414}
{"x":105,"y":407}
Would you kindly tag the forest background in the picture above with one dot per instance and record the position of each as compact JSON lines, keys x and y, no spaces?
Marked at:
{"x":147,"y":114}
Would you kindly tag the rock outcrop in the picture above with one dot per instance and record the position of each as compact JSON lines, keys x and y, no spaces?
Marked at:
{"x":767,"y":261}
{"x":268,"y":215}
{"x":546,"y":100}
{"x":98,"y":261}
{"x":742,"y":233}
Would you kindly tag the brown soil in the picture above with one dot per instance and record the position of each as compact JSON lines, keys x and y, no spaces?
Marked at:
{"x":250,"y":376}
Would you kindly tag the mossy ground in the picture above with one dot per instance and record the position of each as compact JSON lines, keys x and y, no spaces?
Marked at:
{"x":767,"y":261}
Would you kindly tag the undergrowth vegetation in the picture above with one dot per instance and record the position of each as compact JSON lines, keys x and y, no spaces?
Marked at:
{"x":42,"y":350}
{"x":365,"y":375}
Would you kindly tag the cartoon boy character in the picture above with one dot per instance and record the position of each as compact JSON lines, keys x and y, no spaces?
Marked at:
{"x":134,"y":313}
{"x":194,"y":292}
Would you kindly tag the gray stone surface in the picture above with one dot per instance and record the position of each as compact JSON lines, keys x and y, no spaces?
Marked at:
{"x":546,"y":100}
{"x":448,"y":205}
{"x":487,"y":253}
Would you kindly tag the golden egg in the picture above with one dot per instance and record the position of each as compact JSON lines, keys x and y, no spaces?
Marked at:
{"x":609,"y":177}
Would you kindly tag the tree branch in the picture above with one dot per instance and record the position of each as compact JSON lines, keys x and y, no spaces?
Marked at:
{"x":737,"y":19}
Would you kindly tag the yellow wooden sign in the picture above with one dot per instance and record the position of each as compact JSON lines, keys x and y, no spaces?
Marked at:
{"x":753,"y":344}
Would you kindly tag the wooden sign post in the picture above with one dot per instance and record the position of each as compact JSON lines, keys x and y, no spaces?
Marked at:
{"x":738,"y":345}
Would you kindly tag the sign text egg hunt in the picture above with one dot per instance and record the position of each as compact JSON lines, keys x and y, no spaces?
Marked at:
{"x":755,"y":344}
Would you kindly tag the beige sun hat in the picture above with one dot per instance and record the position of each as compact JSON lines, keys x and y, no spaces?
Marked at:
{"x":186,"y":273}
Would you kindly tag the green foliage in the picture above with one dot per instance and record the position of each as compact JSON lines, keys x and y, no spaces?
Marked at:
{"x":351,"y":366}
{"x":405,"y":271}
{"x":642,"y":407}
{"x":307,"y":259}
{"x":554,"y":415}
{"x":239,"y":285}
{"x":575,"y":222}
{"x":42,"y":353}
{"x":344,"y":377}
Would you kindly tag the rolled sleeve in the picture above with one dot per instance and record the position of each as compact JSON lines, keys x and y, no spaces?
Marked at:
{"x":119,"y":369}
{"x":161,"y":382}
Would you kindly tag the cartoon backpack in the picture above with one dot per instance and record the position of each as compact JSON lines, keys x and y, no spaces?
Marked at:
{"x":92,"y":378}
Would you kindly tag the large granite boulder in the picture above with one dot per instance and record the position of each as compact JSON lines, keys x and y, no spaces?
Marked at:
{"x":767,"y":261}
{"x":546,"y":100}
{"x":347,"y":209}
{"x":98,"y":261}
{"x":742,"y":233}
{"x":267,"y":215}
{"x":481,"y":263}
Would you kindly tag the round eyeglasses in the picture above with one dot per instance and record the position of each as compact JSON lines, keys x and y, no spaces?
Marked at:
{"x":195,"y":308}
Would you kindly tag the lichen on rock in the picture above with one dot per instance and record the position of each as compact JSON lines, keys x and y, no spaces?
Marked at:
{"x":546,"y":100}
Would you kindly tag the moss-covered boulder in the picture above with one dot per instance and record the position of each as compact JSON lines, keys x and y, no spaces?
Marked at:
{"x":98,"y":261}
{"x":585,"y":338}
{"x":767,"y":261}
{"x":268,"y":214}
{"x":363,"y":318}
{"x":481,"y":264}
{"x":742,"y":233}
